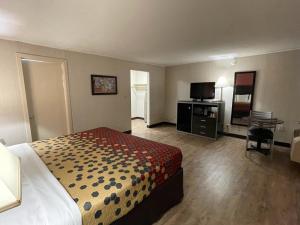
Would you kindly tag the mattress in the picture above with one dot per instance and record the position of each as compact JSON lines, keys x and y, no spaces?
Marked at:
{"x":44,"y":200}
{"x":108,"y":173}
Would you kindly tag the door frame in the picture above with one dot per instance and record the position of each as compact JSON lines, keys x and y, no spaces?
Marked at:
{"x":64,"y":66}
{"x":148,"y":93}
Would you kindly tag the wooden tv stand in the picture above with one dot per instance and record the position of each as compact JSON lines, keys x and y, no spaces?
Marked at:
{"x":201,"y":118}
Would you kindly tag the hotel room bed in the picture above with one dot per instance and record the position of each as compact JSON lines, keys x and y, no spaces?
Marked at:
{"x":100,"y":176}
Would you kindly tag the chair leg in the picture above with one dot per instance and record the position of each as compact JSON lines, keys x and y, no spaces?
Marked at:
{"x":247,"y":143}
{"x":247,"y":146}
{"x":272,"y":148}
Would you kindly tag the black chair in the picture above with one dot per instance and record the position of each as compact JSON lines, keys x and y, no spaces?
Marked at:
{"x":261,"y":130}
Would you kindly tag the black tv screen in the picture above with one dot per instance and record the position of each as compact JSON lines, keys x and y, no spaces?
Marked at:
{"x":205,"y":90}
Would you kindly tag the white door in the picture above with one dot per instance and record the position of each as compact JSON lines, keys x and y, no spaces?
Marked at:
{"x":45,"y":99}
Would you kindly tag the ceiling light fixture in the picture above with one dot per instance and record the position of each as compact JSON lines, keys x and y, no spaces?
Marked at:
{"x":8,"y":24}
{"x":223,"y":57}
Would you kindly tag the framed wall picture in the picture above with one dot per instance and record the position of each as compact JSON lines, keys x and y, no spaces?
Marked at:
{"x":104,"y":85}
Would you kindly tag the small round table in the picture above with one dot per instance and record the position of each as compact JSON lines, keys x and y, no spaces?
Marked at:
{"x":263,"y":126}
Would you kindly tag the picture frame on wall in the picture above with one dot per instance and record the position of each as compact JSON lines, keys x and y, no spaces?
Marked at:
{"x":104,"y":85}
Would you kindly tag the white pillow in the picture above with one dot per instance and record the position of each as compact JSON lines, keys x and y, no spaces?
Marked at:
{"x":10,"y":179}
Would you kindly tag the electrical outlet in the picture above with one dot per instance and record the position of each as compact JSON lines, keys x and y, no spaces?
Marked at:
{"x":2,"y":141}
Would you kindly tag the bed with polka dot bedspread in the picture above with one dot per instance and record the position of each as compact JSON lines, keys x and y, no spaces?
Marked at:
{"x":107,"y":172}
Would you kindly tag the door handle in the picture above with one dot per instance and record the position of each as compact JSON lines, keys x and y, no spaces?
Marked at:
{"x":31,"y":117}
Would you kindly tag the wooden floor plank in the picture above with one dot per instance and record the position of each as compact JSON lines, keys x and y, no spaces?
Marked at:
{"x":223,"y":186}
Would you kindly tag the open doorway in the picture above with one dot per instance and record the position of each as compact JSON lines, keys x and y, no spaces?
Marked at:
{"x":140,"y":107}
{"x":45,"y":95}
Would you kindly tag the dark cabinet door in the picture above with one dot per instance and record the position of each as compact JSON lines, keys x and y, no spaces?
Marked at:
{"x":184,"y":117}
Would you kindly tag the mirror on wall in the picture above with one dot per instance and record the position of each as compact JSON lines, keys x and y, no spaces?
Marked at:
{"x":242,"y":102}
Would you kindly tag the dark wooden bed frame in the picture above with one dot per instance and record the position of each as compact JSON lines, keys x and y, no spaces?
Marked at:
{"x":159,"y":201}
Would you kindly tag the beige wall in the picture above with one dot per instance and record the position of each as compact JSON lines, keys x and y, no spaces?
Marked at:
{"x":277,"y":85}
{"x":87,"y":111}
{"x":277,"y":88}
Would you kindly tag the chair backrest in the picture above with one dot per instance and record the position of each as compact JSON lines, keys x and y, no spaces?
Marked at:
{"x":261,"y":115}
{"x":258,"y":115}
{"x":297,"y":133}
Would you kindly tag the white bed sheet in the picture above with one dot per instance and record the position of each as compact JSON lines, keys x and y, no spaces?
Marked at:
{"x":44,"y":200}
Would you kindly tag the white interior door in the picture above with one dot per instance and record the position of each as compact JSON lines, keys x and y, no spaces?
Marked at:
{"x":45,"y":99}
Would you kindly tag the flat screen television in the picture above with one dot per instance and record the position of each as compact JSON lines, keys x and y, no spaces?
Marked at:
{"x":204,"y":90}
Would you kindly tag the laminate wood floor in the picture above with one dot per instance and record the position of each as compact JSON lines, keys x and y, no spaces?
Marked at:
{"x":223,"y":186}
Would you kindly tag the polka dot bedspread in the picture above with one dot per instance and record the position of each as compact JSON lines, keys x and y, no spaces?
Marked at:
{"x":107,"y":172}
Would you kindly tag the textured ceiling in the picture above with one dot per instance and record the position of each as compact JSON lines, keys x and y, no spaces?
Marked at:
{"x":162,"y":32}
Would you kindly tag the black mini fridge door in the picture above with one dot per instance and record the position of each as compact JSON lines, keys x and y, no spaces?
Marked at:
{"x":184,"y":117}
